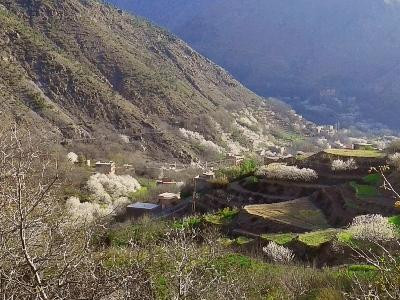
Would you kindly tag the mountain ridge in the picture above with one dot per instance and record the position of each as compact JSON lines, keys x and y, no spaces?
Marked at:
{"x":298,"y":51}
{"x":84,"y":70}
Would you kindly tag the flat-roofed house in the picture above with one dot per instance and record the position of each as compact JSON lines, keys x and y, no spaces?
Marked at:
{"x":107,"y":168}
{"x":139,"y":209}
{"x":166,"y":200}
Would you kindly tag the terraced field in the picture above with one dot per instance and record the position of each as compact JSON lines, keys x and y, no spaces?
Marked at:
{"x":311,"y":239}
{"x":300,"y":213}
{"x":356,"y":153}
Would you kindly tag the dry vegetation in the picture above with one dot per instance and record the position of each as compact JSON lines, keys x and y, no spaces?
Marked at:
{"x":300,"y":213}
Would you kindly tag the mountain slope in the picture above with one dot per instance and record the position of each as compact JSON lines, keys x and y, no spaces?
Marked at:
{"x":83,"y":70}
{"x":333,"y":60}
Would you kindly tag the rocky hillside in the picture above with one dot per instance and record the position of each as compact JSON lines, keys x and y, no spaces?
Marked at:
{"x":81,"y":71}
{"x":333,"y":60}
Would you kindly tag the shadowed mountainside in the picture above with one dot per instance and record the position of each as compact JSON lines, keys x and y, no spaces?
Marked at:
{"x":84,"y":70}
{"x":334,"y":60}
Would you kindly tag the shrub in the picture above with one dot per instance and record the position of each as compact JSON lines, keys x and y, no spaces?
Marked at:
{"x":372,"y":228}
{"x":188,"y":222}
{"x":394,"y":160}
{"x":222,"y":217}
{"x":283,"y":172}
{"x":278,"y":253}
{"x":340,"y":165}
{"x":220,"y":182}
{"x":246,"y":168}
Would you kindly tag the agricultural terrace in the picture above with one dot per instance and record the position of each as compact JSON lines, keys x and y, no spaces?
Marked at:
{"x":300,"y":213}
{"x":356,"y":153}
{"x":311,"y":239}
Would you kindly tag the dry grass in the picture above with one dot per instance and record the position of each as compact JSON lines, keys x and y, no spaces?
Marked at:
{"x":300,"y":213}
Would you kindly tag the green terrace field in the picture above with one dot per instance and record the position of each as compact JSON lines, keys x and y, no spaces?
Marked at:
{"x":364,"y":190}
{"x":317,"y":238}
{"x":299,"y":213}
{"x":311,"y":239}
{"x":280,"y":238}
{"x":356,"y":153}
{"x":369,"y":188}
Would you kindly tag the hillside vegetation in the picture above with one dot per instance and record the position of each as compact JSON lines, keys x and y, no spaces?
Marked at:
{"x":81,"y":70}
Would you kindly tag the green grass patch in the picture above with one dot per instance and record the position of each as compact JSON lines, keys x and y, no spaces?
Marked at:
{"x":280,"y":238}
{"x":240,"y":241}
{"x":373,"y":179}
{"x":140,"y":194}
{"x":222,"y":217}
{"x":356,"y":153}
{"x":317,"y":238}
{"x":395,"y":220}
{"x":148,"y":183}
{"x":189,"y":222}
{"x":363,"y":190}
{"x":366,"y":272}
{"x":246,"y":168}
{"x":236,"y":261}
{"x":288,"y":136}
{"x":148,"y":232}
{"x":346,"y":238}
{"x":227,"y":242}
{"x":116,"y":258}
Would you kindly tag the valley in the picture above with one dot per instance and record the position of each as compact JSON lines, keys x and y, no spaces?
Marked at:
{"x":133,"y":167}
{"x":333,"y":61}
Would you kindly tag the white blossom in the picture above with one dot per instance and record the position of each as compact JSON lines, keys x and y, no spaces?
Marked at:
{"x":340,"y":165}
{"x":86,"y":211}
{"x":198,"y":138}
{"x":278,"y":253}
{"x":72,"y":157}
{"x":106,"y":188}
{"x":373,"y":228}
{"x":394,"y":160}
{"x":281,"y":171}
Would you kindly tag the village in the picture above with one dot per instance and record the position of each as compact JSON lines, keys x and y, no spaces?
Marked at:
{"x":214,"y":186}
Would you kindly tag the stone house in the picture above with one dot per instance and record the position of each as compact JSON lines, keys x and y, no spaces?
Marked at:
{"x":107,"y":168}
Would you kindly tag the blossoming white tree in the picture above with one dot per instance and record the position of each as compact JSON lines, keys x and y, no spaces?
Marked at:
{"x":280,"y":171}
{"x":44,"y":253}
{"x":278,"y":253}
{"x":373,"y":228}
{"x":72,"y":157}
{"x":341,"y":165}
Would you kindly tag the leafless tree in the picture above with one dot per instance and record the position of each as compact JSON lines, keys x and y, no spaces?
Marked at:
{"x":193,"y":274}
{"x":384,"y":259}
{"x":44,"y":253}
{"x":387,"y":185}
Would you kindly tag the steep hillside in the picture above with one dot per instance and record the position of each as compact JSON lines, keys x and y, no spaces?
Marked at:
{"x":84,"y":71}
{"x":332,"y":60}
